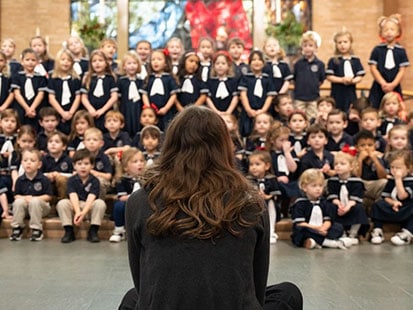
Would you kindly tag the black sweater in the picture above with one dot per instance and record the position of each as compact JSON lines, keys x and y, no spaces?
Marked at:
{"x":171,"y":273}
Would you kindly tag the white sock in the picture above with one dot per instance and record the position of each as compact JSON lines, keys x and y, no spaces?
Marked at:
{"x":329,"y":243}
{"x":272,"y":215}
{"x":119,"y":230}
{"x":354,"y":229}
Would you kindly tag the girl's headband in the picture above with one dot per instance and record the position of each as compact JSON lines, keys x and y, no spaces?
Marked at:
{"x":222,"y":53}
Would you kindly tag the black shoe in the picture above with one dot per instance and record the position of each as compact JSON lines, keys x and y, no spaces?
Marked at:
{"x":92,"y":236}
{"x":16,"y":234}
{"x":37,"y":235}
{"x":68,"y":237}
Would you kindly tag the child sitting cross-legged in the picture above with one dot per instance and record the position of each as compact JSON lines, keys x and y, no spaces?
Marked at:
{"x":83,"y":198}
{"x":32,"y":195}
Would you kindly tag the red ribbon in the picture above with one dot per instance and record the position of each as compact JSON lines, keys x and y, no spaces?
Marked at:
{"x":349,"y":150}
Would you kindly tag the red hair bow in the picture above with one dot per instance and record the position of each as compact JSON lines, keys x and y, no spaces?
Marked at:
{"x":166,"y":52}
{"x":151,"y":106}
{"x":349,"y":150}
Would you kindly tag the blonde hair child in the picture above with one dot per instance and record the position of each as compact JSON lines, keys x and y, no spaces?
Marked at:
{"x":6,"y":97}
{"x":77,"y":47}
{"x":176,"y":50}
{"x":46,"y":62}
{"x":392,"y":112}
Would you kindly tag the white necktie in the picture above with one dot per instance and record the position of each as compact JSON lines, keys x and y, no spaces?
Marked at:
{"x":276,"y":71}
{"x":316,"y":217}
{"x":66,"y":93}
{"x":389,"y":126}
{"x":143,"y":73}
{"x":297,"y":147}
{"x":261,"y":185}
{"x":39,"y":69}
{"x":282,"y":164}
{"x":80,"y":146}
{"x":98,"y":92}
{"x":28,"y":89}
{"x":175,"y":69}
{"x":21,"y":170}
{"x":344,"y":194}
{"x":258,"y":88}
{"x":77,"y":68}
{"x":348,"y":70}
{"x":187,"y":86}
{"x":393,"y":194}
{"x":136,"y":186}
{"x":205,"y":73}
{"x":222,"y":91}
{"x":7,"y":147}
{"x":149,"y":162}
{"x":133,"y":93}
{"x":389,"y":62}
{"x":157,"y":87}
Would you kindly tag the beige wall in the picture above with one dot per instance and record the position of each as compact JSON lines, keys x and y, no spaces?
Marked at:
{"x":52,"y":18}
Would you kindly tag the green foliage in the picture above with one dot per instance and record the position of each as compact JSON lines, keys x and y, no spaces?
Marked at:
{"x":91,"y":31}
{"x":288,"y":32}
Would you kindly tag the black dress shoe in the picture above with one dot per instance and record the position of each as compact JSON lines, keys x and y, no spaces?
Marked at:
{"x":68,"y":237}
{"x":92,"y":236}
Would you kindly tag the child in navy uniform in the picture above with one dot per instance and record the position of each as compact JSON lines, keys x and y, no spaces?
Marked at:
{"x":151,"y":142}
{"x":115,"y":140}
{"x":391,"y":108}
{"x":83,"y":198}
{"x":82,"y":120}
{"x":133,"y":164}
{"x":312,"y":216}
{"x":396,"y":205}
{"x":337,"y":137}
{"x":32,"y":195}
{"x":236,"y":48}
{"x":81,"y":63}
{"x":297,"y":122}
{"x":347,"y":192}
{"x":6,"y":96}
{"x":48,"y":120}
{"x":370,"y":121}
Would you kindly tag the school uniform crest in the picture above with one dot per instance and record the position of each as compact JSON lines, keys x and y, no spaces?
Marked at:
{"x":37,"y":186}
{"x":88,"y":187}
{"x":99,"y":165}
{"x":64,"y":166}
{"x":314,"y":68}
{"x":119,"y":143}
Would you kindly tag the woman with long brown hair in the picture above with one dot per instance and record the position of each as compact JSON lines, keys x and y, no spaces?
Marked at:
{"x":197,"y":231}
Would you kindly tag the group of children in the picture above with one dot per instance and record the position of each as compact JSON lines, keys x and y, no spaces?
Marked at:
{"x":89,"y":124}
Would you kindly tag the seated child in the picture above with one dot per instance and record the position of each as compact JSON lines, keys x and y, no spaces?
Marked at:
{"x":32,"y":195}
{"x":325,"y":105}
{"x":312,"y":216}
{"x":151,"y":142}
{"x":148,"y":117}
{"x":133,"y":164}
{"x":391,"y":108}
{"x":396,"y":203}
{"x":297,"y":122}
{"x":337,"y":137}
{"x":370,"y":167}
{"x":354,"y":115}
{"x":102,"y":168}
{"x":370,"y":121}
{"x":259,"y":173}
{"x":48,"y":120}
{"x":83,"y":198}
{"x":283,"y":107}
{"x":261,"y":125}
{"x":318,"y":157}
{"x":56,"y":164}
{"x":347,"y":192}
{"x":115,"y":140}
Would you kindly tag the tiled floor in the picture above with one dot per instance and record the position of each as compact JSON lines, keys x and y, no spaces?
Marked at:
{"x":50,"y":275}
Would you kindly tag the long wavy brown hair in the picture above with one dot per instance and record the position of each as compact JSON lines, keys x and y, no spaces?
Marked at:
{"x":195,"y":189}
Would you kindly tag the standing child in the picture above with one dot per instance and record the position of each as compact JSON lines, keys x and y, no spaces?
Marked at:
{"x":102,"y":168}
{"x":151,"y":142}
{"x":396,"y":205}
{"x":344,"y":71}
{"x":115,"y":140}
{"x":161,"y":87}
{"x":259,"y":173}
{"x":144,"y":50}
{"x":64,"y":89}
{"x":298,"y":123}
{"x":81,"y":63}
{"x":133,"y":164}
{"x":337,"y":137}
{"x":309,"y":74}
{"x":236,"y":48}
{"x":347,"y":192}
{"x":109,"y":46}
{"x":283,"y":107}
{"x":28,"y":88}
{"x":176,"y":50}
{"x":391,"y":109}
{"x":222,"y":85}
{"x":388,"y":60}
{"x":6,"y":96}
{"x":56,"y":164}
{"x":48,"y":120}
{"x":256,"y":140}
{"x":32,"y":195}
{"x":131,"y":93}
{"x":99,"y":90}
{"x":8,"y":47}
{"x":318,"y":157}
{"x":256,"y":92}
{"x":312,"y":215}
{"x":275,"y":67}
{"x":83,"y":197}
{"x":192,"y":89}
{"x":81,"y":122}
{"x":206,"y":48}
{"x":46,"y":62}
